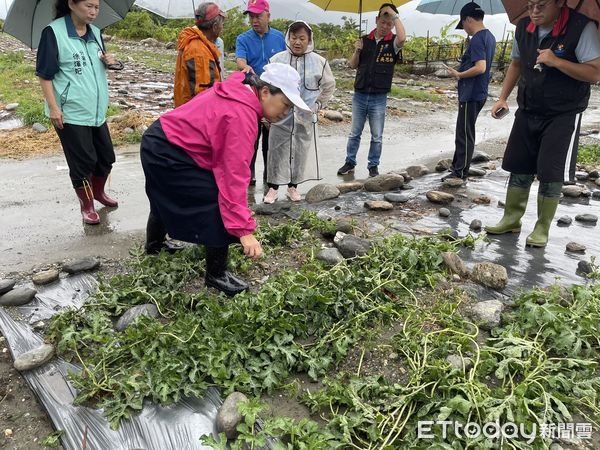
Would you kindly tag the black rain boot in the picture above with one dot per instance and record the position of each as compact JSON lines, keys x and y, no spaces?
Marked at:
{"x":156,"y":235}
{"x":217,"y":275}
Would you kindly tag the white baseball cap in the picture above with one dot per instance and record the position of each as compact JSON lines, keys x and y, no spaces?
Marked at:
{"x":287,"y":79}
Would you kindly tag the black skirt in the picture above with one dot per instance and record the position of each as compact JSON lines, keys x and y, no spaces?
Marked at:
{"x":182,"y":195}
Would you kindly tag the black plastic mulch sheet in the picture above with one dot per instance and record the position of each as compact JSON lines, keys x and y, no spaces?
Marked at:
{"x":177,"y":427}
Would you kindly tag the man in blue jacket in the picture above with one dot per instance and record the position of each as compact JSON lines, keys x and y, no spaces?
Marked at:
{"x":473,"y":79}
{"x":253,"y":49}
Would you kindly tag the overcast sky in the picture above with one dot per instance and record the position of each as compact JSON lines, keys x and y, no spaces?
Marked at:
{"x":415,"y":22}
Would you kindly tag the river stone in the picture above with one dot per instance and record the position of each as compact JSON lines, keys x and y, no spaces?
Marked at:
{"x":81,"y":265}
{"x":440,"y":197}
{"x":574,"y":247}
{"x":594,"y":174}
{"x":585,"y":267}
{"x":11,"y":106}
{"x":581,"y":175}
{"x":170,"y":45}
{"x":565,"y":220}
{"x":482,"y":200}
{"x":39,"y":127}
{"x":228,"y":417}
{"x":350,"y":187}
{"x":151,"y":42}
{"x":454,"y":182}
{"x":455,"y":264}
{"x":444,"y":212}
{"x":148,"y":309}
{"x":443,"y":165}
{"x":395,"y":197}
{"x":459,"y":363}
{"x":596,"y":194}
{"x":34,"y":358}
{"x":475,"y":225}
{"x":343,"y":225}
{"x":378,"y":205}
{"x":476,"y":172}
{"x":384,"y":182}
{"x":480,"y":157}
{"x":586,"y":218}
{"x":45,"y":277}
{"x":417,"y":171}
{"x":573,"y":191}
{"x":350,"y":245}
{"x":6,"y":285}
{"x":330,"y":256}
{"x":490,"y":275}
{"x":18,"y":296}
{"x":597,"y":182}
{"x":488,"y":312}
{"x":334,"y":116}
{"x":322,"y":192}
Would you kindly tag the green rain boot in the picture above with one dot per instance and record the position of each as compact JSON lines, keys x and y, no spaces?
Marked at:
{"x":546,"y":210}
{"x":516,"y":203}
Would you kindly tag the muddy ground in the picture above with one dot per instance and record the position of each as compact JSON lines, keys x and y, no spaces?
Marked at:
{"x":40,"y":222}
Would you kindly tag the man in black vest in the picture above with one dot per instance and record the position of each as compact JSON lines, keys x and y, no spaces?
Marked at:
{"x":375,"y":56}
{"x":556,"y":55}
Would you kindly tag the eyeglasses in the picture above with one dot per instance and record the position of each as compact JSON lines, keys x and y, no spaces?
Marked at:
{"x":539,"y":6}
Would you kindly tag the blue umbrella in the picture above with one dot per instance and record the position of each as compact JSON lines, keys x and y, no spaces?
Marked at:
{"x":453,"y":7}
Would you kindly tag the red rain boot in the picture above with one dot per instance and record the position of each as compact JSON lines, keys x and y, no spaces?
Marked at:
{"x":98,"y":184}
{"x":86,"y":202}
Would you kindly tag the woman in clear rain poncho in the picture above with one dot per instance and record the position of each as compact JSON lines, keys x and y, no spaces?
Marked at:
{"x":293,"y":156}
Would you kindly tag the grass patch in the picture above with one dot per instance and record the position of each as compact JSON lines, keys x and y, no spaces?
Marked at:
{"x":422,"y":96}
{"x":589,"y":154}
{"x":19,"y":84}
{"x":162,"y":61}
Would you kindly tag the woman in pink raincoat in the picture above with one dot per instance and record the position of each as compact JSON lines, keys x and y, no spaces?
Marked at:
{"x":196,"y":159}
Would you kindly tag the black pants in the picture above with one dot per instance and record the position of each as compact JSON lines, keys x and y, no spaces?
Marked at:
{"x":265,"y":149}
{"x":465,"y":137}
{"x":276,"y":186}
{"x":88,"y":150}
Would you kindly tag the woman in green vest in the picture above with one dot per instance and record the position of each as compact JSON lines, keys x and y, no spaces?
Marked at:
{"x":71,"y":65}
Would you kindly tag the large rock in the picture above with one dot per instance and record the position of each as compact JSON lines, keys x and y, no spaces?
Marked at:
{"x":18,"y":296}
{"x":575,"y":247}
{"x":81,"y":265}
{"x":476,"y":172}
{"x":131,"y":314}
{"x":439,"y":197}
{"x":565,"y":220}
{"x":330,"y":256}
{"x":6,"y":285}
{"x":454,"y":182}
{"x":585,"y":268}
{"x":378,"y":205}
{"x":455,"y":264}
{"x":443,"y":165}
{"x":475,"y":225}
{"x":488,"y":313}
{"x":417,"y":171}
{"x":395,"y":197}
{"x":39,"y":127}
{"x":350,"y":186}
{"x":150,"y":42}
{"x":350,"y":245}
{"x":573,"y":191}
{"x":587,"y":218}
{"x":490,"y":275}
{"x":228,"y":417}
{"x":334,"y":116}
{"x":34,"y":358}
{"x":480,"y":157}
{"x":11,"y":106}
{"x":384,"y":182}
{"x":45,"y":277}
{"x":322,"y":192}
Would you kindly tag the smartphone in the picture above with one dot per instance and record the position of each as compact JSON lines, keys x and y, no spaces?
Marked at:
{"x":502,"y":112}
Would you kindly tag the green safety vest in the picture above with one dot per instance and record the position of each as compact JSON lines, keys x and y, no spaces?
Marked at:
{"x":80,"y":86}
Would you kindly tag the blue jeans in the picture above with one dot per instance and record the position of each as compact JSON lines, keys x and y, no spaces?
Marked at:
{"x":371,"y":106}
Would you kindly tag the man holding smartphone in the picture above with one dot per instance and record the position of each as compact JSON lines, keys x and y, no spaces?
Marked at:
{"x":473,"y":79}
{"x":555,"y":57}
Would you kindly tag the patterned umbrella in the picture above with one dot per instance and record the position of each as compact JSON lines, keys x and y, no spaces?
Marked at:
{"x":517,"y":9}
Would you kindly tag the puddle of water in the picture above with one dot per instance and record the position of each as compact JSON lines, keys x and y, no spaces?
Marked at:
{"x":11,"y":124}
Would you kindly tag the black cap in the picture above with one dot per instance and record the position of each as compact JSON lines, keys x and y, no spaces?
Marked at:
{"x":471,"y":9}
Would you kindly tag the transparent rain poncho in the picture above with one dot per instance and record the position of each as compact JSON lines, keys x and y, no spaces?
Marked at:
{"x":293,"y":142}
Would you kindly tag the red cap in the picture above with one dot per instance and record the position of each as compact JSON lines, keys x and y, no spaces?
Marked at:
{"x":212,"y":11}
{"x":257,"y":6}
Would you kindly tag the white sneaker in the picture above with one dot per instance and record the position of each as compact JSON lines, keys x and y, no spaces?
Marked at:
{"x":271,"y":196}
{"x":293,"y":194}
